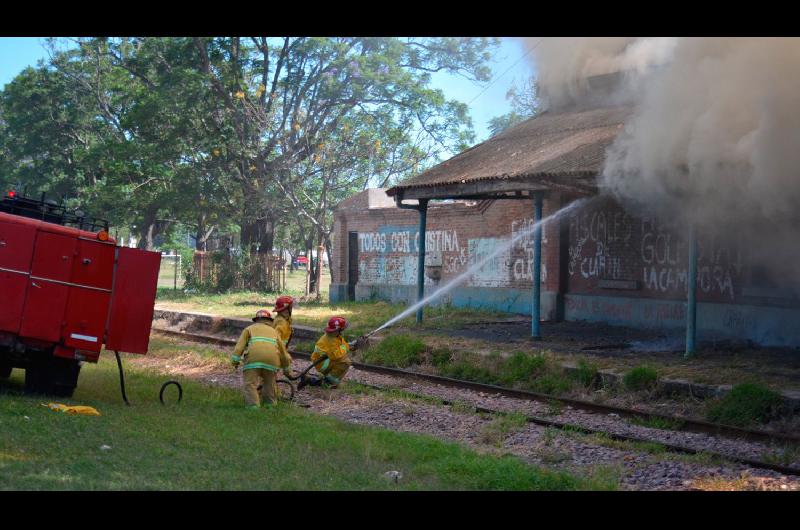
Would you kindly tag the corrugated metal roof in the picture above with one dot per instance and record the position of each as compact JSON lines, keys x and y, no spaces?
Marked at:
{"x":557,"y":146}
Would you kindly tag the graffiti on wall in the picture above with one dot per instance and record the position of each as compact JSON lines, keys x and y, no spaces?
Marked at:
{"x":596,"y":234}
{"x":455,"y":262}
{"x":522,"y":250}
{"x":391,"y":270}
{"x":610,"y":244}
{"x":493,"y":273}
{"x":407,"y":241}
{"x":389,"y":256}
{"x":664,"y":258}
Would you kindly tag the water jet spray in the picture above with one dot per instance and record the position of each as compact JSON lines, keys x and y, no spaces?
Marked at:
{"x":478,"y":265}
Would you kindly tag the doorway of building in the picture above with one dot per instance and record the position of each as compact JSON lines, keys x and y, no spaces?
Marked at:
{"x":352,"y":265}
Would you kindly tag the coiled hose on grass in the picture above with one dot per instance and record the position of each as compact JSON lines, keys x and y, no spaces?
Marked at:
{"x":161,"y":392}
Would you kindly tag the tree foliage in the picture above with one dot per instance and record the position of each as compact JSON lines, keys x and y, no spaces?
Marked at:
{"x":524,"y":101}
{"x":261,"y":136}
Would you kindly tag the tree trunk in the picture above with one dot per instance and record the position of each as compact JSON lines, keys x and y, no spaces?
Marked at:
{"x":267,"y":235}
{"x":203,"y":233}
{"x":148,"y":231}
{"x":258,"y":237}
{"x":308,"y":269}
{"x":318,"y":282}
{"x":248,"y":234}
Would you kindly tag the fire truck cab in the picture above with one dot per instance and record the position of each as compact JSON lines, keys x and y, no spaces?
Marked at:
{"x":67,"y":291}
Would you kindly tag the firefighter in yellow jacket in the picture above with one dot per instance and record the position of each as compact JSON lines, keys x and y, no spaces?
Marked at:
{"x":333,"y":345}
{"x":262,"y":352}
{"x":283,"y":325}
{"x":283,"y":319}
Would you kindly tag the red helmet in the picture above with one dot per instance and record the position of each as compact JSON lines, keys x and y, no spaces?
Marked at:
{"x":262,"y":313}
{"x":336,"y":324}
{"x":282,"y":303}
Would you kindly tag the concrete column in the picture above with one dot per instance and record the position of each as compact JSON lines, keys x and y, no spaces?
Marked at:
{"x":537,"y":268}
{"x":691,"y":297}
{"x":423,"y":217}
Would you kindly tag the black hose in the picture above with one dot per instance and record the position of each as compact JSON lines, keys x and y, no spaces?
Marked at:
{"x":290,"y":385}
{"x":164,"y":387}
{"x":121,"y":379}
{"x":310,"y":366}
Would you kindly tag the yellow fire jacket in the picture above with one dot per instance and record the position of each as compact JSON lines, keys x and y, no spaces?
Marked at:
{"x":335,"y":347}
{"x":264,"y":349}
{"x":284,"y":328}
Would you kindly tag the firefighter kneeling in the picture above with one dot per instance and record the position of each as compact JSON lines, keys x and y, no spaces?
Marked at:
{"x":265,"y":355}
{"x":332,"y":350}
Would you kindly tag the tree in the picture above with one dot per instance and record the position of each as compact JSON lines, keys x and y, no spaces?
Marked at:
{"x":524,"y":105}
{"x":281,"y":99}
{"x":239,"y":133}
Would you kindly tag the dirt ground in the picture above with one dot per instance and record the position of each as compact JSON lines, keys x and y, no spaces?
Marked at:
{"x":620,"y":348}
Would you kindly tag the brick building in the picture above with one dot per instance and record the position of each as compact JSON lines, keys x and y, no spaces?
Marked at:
{"x":599,"y":262}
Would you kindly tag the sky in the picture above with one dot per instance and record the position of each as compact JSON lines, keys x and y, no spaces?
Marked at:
{"x":509,"y":66}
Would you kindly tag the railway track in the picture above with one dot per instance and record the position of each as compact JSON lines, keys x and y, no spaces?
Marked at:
{"x":685,"y":424}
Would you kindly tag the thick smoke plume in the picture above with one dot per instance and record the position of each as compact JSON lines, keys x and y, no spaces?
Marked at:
{"x":715,"y":135}
{"x":564,"y":64}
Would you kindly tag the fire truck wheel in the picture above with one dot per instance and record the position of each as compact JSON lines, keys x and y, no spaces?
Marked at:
{"x":65,"y":376}
{"x":54,"y":376}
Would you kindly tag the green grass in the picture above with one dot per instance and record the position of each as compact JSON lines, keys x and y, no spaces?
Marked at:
{"x":497,"y":430}
{"x":746,"y":404}
{"x":641,"y":378}
{"x":397,"y":350}
{"x":535,"y":372}
{"x":468,"y":370}
{"x":440,"y":357}
{"x":784,"y":456}
{"x":586,"y":374}
{"x":211,"y":442}
{"x":363,"y":317}
{"x":521,"y":367}
{"x":553,"y":383}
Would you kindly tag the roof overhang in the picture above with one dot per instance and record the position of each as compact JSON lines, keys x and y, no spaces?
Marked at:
{"x":498,"y":188}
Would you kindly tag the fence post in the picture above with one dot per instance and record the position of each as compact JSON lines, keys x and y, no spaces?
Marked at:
{"x":308,"y":271}
{"x":175,"y":280}
{"x":318,"y":281}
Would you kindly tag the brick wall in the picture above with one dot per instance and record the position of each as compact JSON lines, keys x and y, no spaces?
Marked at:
{"x":600,"y":262}
{"x":614,"y":252}
{"x":461,"y":234}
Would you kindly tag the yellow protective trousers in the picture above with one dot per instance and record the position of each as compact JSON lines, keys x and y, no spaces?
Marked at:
{"x":254,"y":377}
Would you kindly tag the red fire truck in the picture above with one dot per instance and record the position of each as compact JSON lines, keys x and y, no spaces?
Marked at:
{"x":66,"y":290}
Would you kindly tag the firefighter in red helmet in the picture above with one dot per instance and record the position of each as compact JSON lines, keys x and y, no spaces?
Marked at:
{"x":283,"y":318}
{"x":283,"y":324}
{"x":335,"y":349}
{"x":263,"y":354}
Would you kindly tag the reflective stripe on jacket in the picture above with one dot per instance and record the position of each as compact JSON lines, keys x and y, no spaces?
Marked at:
{"x":335,"y":347}
{"x":260,"y":347}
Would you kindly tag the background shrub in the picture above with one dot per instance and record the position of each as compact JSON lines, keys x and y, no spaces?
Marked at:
{"x":586,"y":374}
{"x":641,"y":378}
{"x":745,"y":404}
{"x":397,"y":350}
